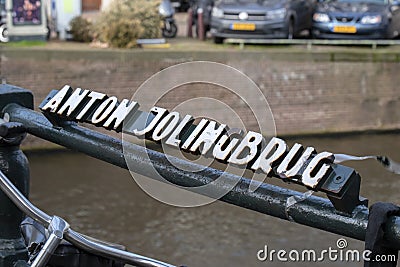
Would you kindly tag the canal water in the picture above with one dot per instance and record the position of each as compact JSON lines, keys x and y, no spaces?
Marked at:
{"x":103,"y":201}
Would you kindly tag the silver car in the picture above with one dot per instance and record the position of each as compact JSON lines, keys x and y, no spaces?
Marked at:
{"x":261,"y":18}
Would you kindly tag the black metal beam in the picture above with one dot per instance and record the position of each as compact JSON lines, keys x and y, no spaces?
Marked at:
{"x":314,"y":211}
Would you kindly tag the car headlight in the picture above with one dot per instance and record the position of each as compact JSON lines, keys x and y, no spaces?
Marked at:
{"x":276,"y":14}
{"x":217,"y":12}
{"x":371,"y":19}
{"x":321,"y":17}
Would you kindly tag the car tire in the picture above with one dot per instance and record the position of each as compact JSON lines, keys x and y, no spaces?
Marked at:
{"x":48,"y":35}
{"x":170,"y":33}
{"x":218,"y":40}
{"x":390,"y":32}
{"x":3,"y":34}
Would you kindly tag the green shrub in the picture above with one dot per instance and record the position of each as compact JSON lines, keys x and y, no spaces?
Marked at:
{"x":125,"y":21}
{"x":81,"y":29}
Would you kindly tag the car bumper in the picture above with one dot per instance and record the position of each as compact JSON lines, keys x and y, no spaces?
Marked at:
{"x":263,"y":29}
{"x":326,"y":31}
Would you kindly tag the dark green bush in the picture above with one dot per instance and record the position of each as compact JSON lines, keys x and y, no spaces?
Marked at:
{"x":125,"y":21}
{"x":81,"y":29}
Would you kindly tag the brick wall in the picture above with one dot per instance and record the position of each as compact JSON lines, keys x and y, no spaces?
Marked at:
{"x":308,"y":93}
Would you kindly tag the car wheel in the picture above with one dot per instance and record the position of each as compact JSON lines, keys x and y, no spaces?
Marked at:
{"x":3,"y":34}
{"x":390,"y":33}
{"x":218,"y":40}
{"x":48,"y":35}
{"x":171,"y":33}
{"x":290,"y":30}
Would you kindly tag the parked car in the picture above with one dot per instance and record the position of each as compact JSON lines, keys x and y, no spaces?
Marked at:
{"x":3,"y":21}
{"x":357,"y":19}
{"x":260,"y":18}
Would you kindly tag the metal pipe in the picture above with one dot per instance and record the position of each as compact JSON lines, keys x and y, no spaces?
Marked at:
{"x":200,"y":24}
{"x":190,"y":23}
{"x":373,"y":43}
{"x":314,"y":211}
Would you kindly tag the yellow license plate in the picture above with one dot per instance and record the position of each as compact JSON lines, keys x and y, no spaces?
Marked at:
{"x":243,"y":26}
{"x":345,"y":29}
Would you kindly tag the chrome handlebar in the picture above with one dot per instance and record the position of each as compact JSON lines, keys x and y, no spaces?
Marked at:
{"x":60,"y":230}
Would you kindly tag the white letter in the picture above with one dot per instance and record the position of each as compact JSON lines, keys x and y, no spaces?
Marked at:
{"x":281,"y":254}
{"x":160,"y":113}
{"x":262,"y":251}
{"x":366,"y":254}
{"x":94,"y":96}
{"x":321,"y":257}
{"x":194,"y":134}
{"x":266,"y":164}
{"x":297,"y":258}
{"x":251,"y":141}
{"x":222,"y":151}
{"x":354,"y":254}
{"x":119,"y":115}
{"x":57,"y":99}
{"x":312,"y":176}
{"x":173,"y":138}
{"x":166,"y":126}
{"x":310,"y":253}
{"x":293,"y":155}
{"x":73,"y":101}
{"x":331,"y":256}
{"x":271,"y":255}
{"x":208,"y":137}
{"x":104,"y":110}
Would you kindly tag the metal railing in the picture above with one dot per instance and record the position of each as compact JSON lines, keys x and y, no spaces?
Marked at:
{"x":310,"y":42}
{"x":314,"y":211}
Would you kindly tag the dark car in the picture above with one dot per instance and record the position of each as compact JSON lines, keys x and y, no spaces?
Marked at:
{"x":357,"y":19}
{"x":260,"y":18}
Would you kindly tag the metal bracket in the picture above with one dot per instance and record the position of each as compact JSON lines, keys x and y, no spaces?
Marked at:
{"x":13,"y":94}
{"x":12,"y":133}
{"x":15,"y":165}
{"x":342,"y":187}
{"x":57,"y":228}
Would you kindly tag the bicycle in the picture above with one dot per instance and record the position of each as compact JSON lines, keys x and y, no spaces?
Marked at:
{"x":59,"y":230}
